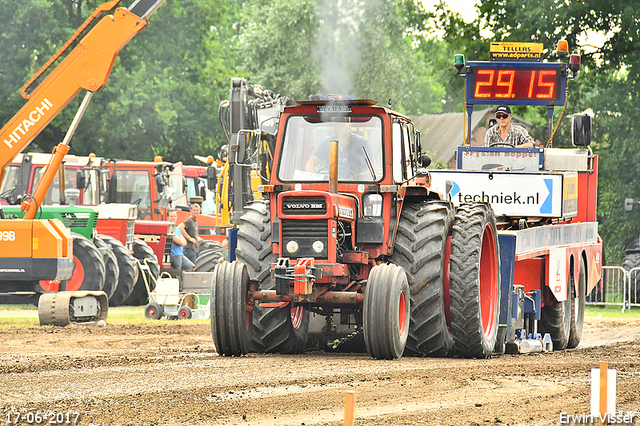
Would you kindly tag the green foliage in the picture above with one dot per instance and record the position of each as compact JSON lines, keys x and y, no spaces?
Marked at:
{"x":303,"y":47}
{"x":164,"y":90}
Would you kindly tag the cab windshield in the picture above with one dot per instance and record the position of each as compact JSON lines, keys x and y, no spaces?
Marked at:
{"x":306,"y":147}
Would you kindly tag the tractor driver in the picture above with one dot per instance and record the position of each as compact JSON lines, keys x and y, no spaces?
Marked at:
{"x":351,"y":153}
{"x":505,"y":134}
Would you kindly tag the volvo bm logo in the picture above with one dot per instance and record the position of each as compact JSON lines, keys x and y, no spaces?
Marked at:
{"x":299,"y":206}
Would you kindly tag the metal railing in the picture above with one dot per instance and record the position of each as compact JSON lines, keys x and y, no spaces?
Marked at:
{"x":633,"y":297}
{"x":618,"y":287}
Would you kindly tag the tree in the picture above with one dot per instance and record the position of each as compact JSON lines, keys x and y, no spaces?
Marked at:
{"x":303,"y":47}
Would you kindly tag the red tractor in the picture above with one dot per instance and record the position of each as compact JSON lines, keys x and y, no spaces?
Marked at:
{"x":345,"y":232}
{"x":342,"y":233}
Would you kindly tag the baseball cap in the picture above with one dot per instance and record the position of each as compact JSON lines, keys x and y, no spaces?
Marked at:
{"x":503,"y":108}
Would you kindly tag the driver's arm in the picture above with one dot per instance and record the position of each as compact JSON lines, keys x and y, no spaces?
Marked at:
{"x":311,"y":164}
{"x":525,"y":136}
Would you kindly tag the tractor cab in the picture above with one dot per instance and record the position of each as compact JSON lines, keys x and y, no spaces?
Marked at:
{"x":328,"y":212}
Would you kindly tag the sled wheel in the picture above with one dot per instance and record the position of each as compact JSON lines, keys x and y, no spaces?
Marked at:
{"x":577,"y":306}
{"x":385,"y":312}
{"x":556,"y":320}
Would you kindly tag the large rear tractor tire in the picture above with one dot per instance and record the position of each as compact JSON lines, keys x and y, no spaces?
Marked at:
{"x":145,"y":255}
{"x":276,"y":327}
{"x":88,"y":266}
{"x":386,"y":311}
{"x":475,"y":281}
{"x":209,"y":257}
{"x":128,"y":271}
{"x":230,"y":319}
{"x":577,"y":306}
{"x":112,"y":271}
{"x":422,"y":249}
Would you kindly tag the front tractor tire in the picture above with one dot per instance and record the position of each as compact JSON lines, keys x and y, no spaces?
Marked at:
{"x":230,"y":318}
{"x":475,"y":281}
{"x":422,"y":249}
{"x":276,"y":327}
{"x":386,"y":312}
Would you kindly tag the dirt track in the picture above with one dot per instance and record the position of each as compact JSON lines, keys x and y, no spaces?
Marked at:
{"x":169,"y":374}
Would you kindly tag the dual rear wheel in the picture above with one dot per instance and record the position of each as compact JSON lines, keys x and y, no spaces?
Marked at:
{"x":452,"y":265}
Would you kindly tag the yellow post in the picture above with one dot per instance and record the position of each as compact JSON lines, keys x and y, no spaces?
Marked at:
{"x":603,"y":391}
{"x":349,"y":408}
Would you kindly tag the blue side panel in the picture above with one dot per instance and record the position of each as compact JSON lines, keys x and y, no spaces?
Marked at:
{"x":232,"y":235}
{"x":507,"y":266}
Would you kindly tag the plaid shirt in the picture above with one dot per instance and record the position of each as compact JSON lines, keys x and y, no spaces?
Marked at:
{"x":517,"y":135}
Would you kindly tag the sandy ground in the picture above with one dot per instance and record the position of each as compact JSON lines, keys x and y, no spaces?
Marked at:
{"x":169,"y":374}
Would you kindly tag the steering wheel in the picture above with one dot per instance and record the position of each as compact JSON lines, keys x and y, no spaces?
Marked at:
{"x":325,"y":170}
{"x":7,"y":193}
{"x":501,"y":144}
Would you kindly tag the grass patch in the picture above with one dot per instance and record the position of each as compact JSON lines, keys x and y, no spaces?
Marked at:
{"x":612,"y":312}
{"x":27,"y":316}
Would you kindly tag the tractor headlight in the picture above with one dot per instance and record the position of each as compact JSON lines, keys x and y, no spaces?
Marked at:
{"x":371,"y":205}
{"x":292,"y":246}
{"x":317,"y":246}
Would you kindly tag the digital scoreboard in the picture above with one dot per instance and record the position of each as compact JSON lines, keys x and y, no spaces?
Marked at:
{"x":516,"y":83}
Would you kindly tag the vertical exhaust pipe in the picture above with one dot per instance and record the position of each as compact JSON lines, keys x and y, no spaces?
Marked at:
{"x":333,"y":167}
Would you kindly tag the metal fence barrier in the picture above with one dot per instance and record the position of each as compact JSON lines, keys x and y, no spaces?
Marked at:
{"x":633,"y":298}
{"x":619,"y":287}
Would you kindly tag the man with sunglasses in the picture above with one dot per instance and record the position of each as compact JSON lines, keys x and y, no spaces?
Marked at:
{"x":505,"y":134}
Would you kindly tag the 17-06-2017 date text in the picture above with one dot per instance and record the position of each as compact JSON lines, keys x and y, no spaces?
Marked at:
{"x":38,"y":418}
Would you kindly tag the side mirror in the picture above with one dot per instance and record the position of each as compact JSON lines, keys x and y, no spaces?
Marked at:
{"x":581,"y":130}
{"x":212,"y":178}
{"x":160,"y":183}
{"x":81,"y":179}
{"x":425,"y":160}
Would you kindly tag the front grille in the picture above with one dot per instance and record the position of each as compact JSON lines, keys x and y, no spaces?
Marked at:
{"x":305,"y":233}
{"x":131,"y":224}
{"x":77,"y":221}
{"x":304,"y":205}
{"x":304,"y":228}
{"x":167,"y":249}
